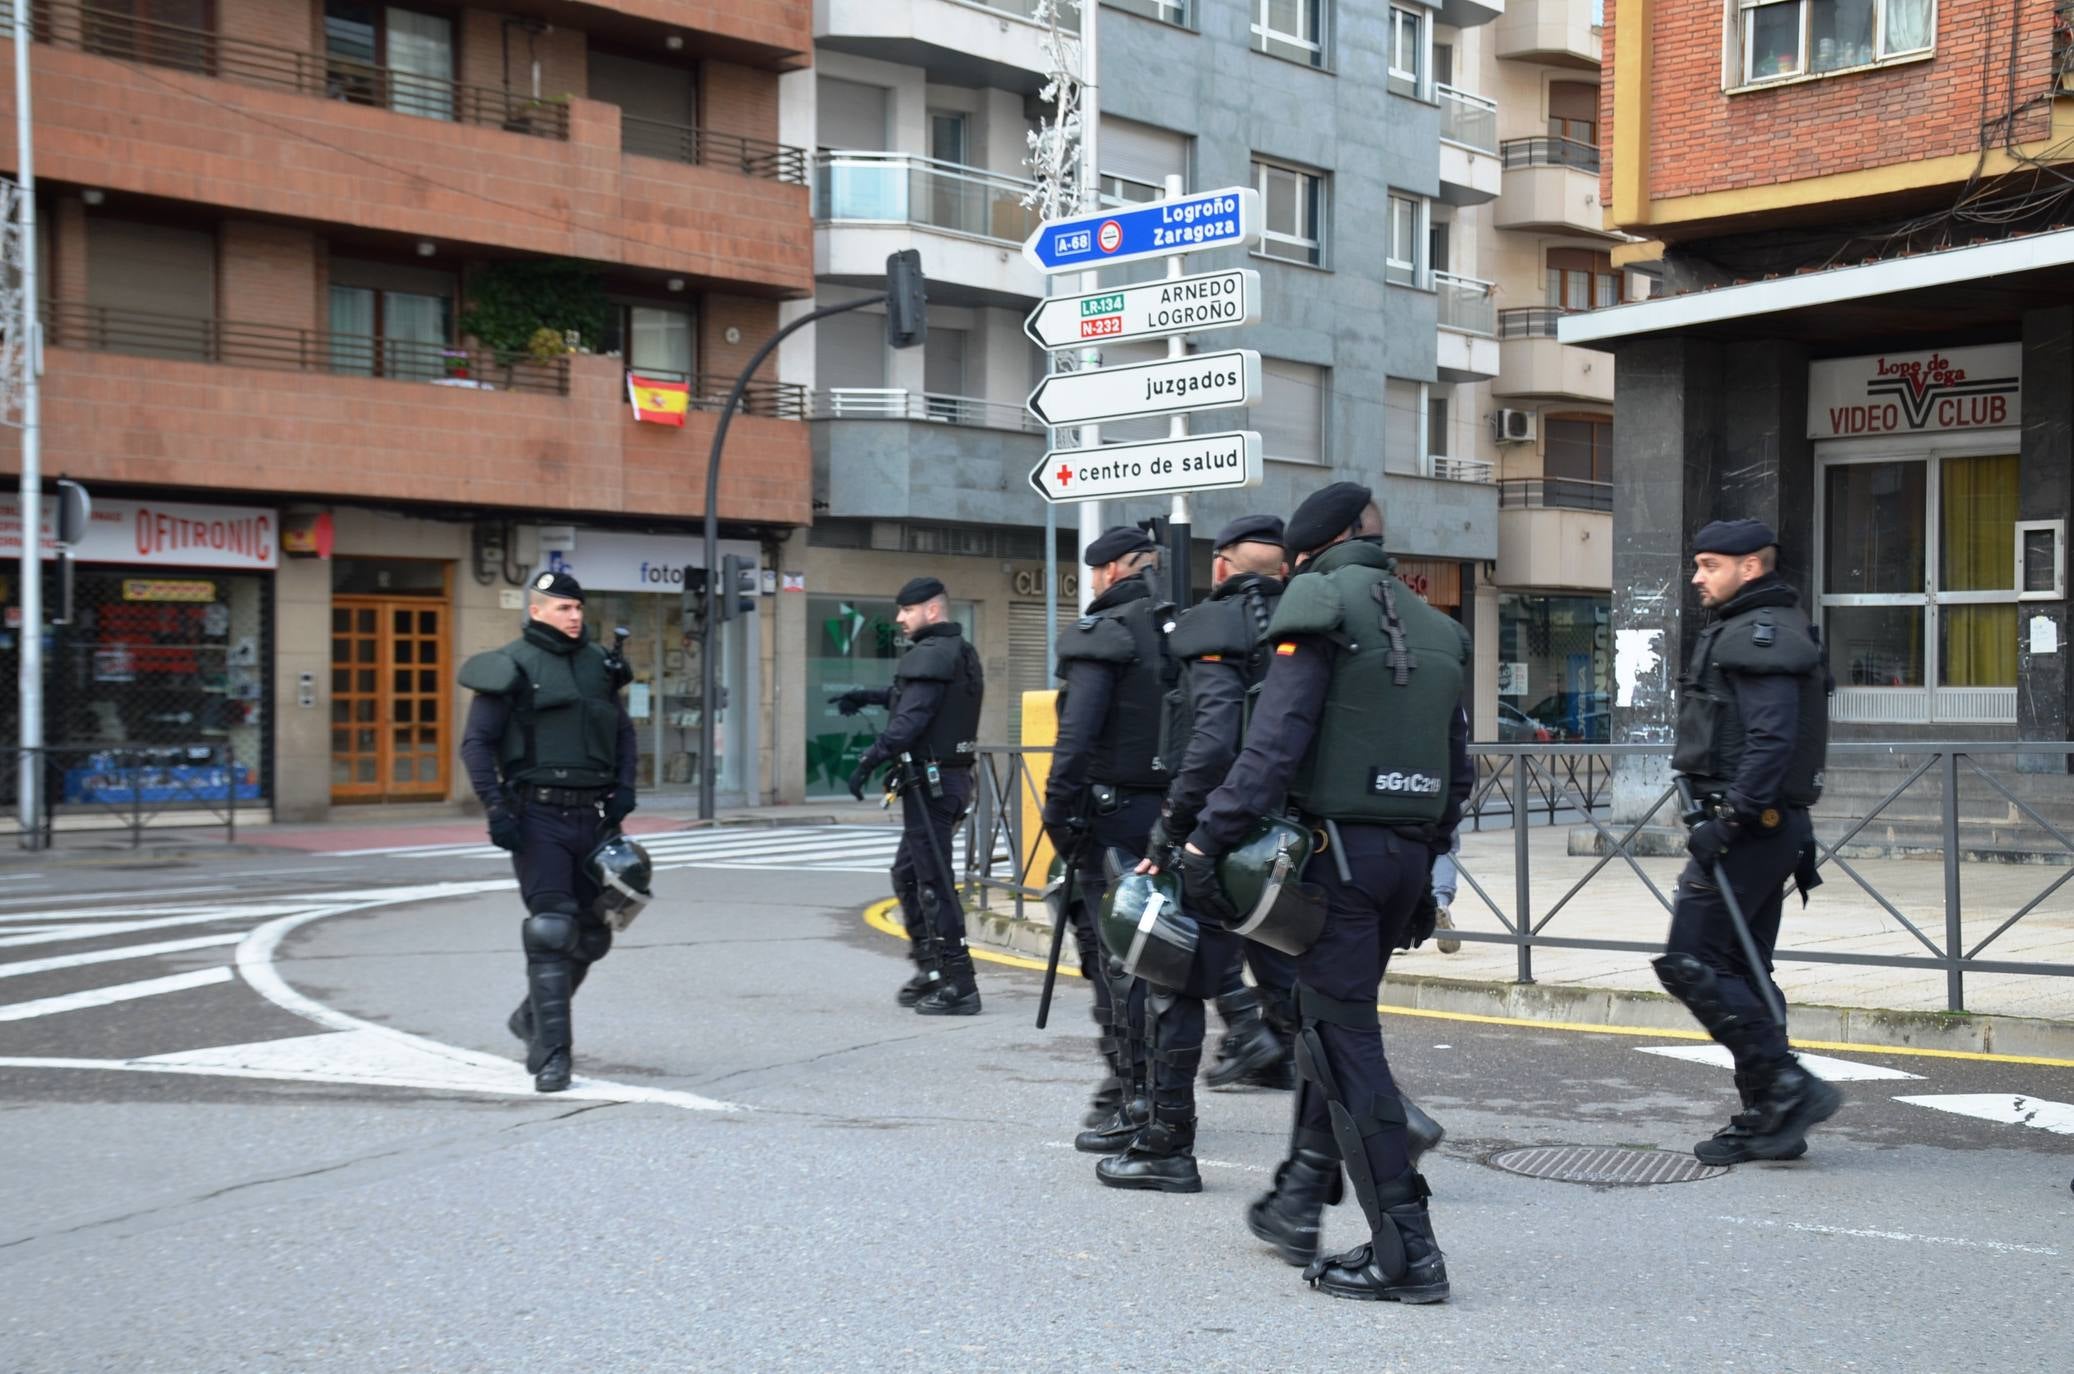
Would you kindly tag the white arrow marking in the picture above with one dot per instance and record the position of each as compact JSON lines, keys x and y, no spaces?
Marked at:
{"x":1821,"y":1065}
{"x":2010,"y":1109}
{"x":120,"y":992}
{"x":109,"y":956}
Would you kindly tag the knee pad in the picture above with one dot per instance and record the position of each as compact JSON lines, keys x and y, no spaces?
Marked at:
{"x":1682,"y":975}
{"x":594,"y":942}
{"x":551,"y":932}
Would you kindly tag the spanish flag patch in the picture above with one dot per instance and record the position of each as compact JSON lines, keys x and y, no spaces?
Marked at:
{"x":1286,"y":647}
{"x":1213,"y":658}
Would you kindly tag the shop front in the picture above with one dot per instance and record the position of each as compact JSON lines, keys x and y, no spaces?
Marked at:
{"x":852,"y":641}
{"x":1554,"y":658}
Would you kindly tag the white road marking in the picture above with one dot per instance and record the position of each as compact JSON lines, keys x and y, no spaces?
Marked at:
{"x":2010,"y":1109}
{"x":20,"y":877}
{"x":2003,"y":1246}
{"x":109,"y":956}
{"x":119,"y":992}
{"x":1821,"y":1065}
{"x":99,"y":929}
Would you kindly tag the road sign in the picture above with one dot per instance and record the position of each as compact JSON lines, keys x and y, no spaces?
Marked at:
{"x":1176,"y":305}
{"x":1229,"y":218}
{"x":1169,"y":386}
{"x":1195,"y":462}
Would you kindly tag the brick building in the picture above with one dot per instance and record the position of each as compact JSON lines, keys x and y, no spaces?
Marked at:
{"x":275,"y":235}
{"x":1866,"y":337}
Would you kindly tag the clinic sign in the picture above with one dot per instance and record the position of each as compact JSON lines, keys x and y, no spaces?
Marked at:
{"x":170,"y":534}
{"x":1916,"y":393}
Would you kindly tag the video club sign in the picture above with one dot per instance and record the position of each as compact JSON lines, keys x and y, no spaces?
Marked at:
{"x":1916,"y":393}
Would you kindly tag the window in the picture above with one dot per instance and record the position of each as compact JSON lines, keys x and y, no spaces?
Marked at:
{"x":1436,"y":426}
{"x":1401,"y":263}
{"x":1437,"y":246}
{"x":1293,"y":206}
{"x":1404,"y":414}
{"x":1786,"y":38}
{"x":1580,"y":448}
{"x":1138,"y":158}
{"x":1166,"y":11}
{"x":650,"y":338}
{"x":1294,"y":29}
{"x":1291,"y":413}
{"x":377,"y":333}
{"x":1407,"y":49}
{"x":1126,"y":190}
{"x":1573,"y":112}
{"x":390,"y":56}
{"x":1579,"y":279}
{"x":947,"y":130}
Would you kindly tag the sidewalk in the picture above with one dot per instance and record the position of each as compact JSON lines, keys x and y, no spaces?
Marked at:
{"x":2005,"y":1013}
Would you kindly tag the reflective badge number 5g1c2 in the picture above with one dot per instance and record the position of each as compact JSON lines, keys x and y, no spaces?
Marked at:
{"x":1393,"y":782}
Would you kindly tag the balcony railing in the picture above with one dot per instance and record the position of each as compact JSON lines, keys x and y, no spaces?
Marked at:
{"x":1458,"y":469}
{"x":1467,"y":119}
{"x":1554,"y":493}
{"x":896,"y":403}
{"x":1069,"y":12}
{"x":1550,"y":152}
{"x":106,"y":34}
{"x":754,"y":157}
{"x":902,"y":189}
{"x":1530,"y":322}
{"x":710,"y":390}
{"x":1465,"y":304}
{"x":283,"y":348}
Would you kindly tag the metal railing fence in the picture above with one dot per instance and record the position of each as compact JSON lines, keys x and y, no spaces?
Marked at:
{"x":1530,"y":321}
{"x":901,"y":188}
{"x":1545,"y":151}
{"x":898,"y":403}
{"x":130,"y":787}
{"x":754,"y":157}
{"x":1570,"y":784}
{"x":1464,"y":304}
{"x":710,"y":390}
{"x":1554,"y":493}
{"x":1469,"y":120}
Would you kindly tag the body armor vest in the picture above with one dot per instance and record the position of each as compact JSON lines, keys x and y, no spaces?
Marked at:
{"x":1126,"y":635}
{"x":1772,"y":636}
{"x":944,"y":655}
{"x":1230,"y":627}
{"x":564,"y":725}
{"x":1380,"y":754}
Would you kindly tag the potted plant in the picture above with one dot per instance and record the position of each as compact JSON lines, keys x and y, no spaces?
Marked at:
{"x":524,"y":310}
{"x":456,"y":362}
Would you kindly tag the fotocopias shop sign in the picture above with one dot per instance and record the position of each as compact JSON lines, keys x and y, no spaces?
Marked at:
{"x":1916,"y":393}
{"x":172,"y":534}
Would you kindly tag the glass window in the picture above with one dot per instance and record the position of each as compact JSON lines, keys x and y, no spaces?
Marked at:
{"x":1402,"y":262}
{"x":1292,"y":203}
{"x":1579,"y":279}
{"x":1126,"y":190}
{"x":851,"y":642}
{"x":1874,"y":531}
{"x":1771,"y":39}
{"x":1166,"y":11}
{"x":1407,"y":46}
{"x":658,"y":339}
{"x":387,"y":55}
{"x":1290,"y":28}
{"x":1580,"y":448}
{"x":1874,"y":646}
{"x":1782,"y":38}
{"x":1436,"y":426}
{"x":1976,"y":547}
{"x":1291,"y":413}
{"x":1554,"y":664}
{"x":1573,"y":111}
{"x":390,"y":333}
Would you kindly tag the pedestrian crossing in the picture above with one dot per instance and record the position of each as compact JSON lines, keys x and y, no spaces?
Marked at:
{"x":796,"y":848}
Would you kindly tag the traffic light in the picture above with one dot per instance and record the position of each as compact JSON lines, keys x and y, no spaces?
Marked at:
{"x":692,"y":604}
{"x":737,"y":586}
{"x":907,"y":300}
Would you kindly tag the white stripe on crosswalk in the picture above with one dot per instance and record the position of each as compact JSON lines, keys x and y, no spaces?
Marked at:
{"x":1821,"y":1065}
{"x":816,"y":849}
{"x":2009,"y":1109}
{"x":97,"y":929}
{"x":109,"y":956}
{"x":119,"y":992}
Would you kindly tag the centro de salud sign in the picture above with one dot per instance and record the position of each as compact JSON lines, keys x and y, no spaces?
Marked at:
{"x":1916,"y":393}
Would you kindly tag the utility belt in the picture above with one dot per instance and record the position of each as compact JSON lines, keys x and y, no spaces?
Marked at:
{"x":1107,"y":798}
{"x":926,"y":773}
{"x":1703,"y":804}
{"x":534,"y":794}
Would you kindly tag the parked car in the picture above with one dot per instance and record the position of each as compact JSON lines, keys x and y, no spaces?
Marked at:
{"x":1517,"y":727}
{"x":1576,"y":716}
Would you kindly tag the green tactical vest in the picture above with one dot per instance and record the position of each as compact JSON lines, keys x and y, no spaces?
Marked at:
{"x":564,"y":724}
{"x":1380,"y":754}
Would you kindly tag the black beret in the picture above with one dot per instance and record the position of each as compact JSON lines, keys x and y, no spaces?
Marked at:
{"x":557,"y":584}
{"x":1326,"y":514}
{"x":1124,"y":539}
{"x":918,"y":590}
{"x":1734,"y":537}
{"x":1250,"y":529}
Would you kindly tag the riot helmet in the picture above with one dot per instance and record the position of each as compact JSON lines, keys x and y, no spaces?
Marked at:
{"x":1263,"y":878}
{"x":623,"y":873}
{"x":1143,"y":923}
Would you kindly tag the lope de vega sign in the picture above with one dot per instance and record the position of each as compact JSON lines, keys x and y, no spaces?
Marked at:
{"x":1193,"y":462}
{"x":1177,"y":305}
{"x":1916,"y":393}
{"x":1229,"y":218}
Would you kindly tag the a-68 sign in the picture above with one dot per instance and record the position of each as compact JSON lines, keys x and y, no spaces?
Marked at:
{"x":1151,"y":310}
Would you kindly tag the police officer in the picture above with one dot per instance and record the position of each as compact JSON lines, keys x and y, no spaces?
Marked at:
{"x":551,"y":753}
{"x":1221,"y":647}
{"x":1360,"y":725}
{"x":1753,"y":730}
{"x":930,"y":743}
{"x":1104,"y":789}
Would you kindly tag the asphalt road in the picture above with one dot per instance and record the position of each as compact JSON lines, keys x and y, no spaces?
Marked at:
{"x":810,"y":1178}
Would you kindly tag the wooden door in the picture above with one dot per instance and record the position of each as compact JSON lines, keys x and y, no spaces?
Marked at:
{"x":390,"y":690}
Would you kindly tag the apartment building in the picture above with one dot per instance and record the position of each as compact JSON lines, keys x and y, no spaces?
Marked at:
{"x":340,"y":301}
{"x":1865,"y":339}
{"x":918,"y":111}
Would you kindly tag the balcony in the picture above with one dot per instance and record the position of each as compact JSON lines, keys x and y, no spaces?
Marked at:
{"x":1551,"y":184}
{"x":1555,"y":532}
{"x":1443,"y":468}
{"x":217,"y":404}
{"x":985,"y":43}
{"x":1467,"y":348}
{"x":1469,"y":170}
{"x":146,"y":109}
{"x":1533,"y":364}
{"x":890,"y":453}
{"x":968,"y":222}
{"x":1468,"y":14}
{"x":1556,"y":33}
{"x":897,"y":403}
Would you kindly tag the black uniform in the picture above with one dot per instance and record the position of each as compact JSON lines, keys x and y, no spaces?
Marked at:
{"x":1331,"y":734}
{"x":1103,"y":794}
{"x":931,"y":743}
{"x":552,"y":755}
{"x":1752,"y":735}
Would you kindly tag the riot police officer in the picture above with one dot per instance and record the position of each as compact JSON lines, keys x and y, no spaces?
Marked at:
{"x":1753,"y":730}
{"x":1221,"y":647}
{"x":1103,"y":792}
{"x":551,"y":754}
{"x":931,"y":742}
{"x":1359,"y":724}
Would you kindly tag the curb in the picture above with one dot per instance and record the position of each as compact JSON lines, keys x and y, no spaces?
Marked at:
{"x":1620,"y":1011}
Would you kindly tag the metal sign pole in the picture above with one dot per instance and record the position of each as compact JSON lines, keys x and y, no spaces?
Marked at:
{"x":29,"y":330}
{"x":1090,"y":199}
{"x":1178,"y":517}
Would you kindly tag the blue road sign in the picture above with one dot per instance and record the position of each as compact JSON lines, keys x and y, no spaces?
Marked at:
{"x":1229,"y":218}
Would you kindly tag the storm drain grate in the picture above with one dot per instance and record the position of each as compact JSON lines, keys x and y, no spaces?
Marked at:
{"x":1603,"y":1164}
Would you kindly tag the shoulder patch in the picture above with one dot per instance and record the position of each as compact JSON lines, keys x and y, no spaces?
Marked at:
{"x":1286,"y":647}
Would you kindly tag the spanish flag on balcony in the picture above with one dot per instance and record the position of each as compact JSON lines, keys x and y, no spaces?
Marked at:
{"x":658,"y":400}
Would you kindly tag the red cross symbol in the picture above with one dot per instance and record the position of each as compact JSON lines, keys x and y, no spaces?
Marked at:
{"x":1064,"y":474}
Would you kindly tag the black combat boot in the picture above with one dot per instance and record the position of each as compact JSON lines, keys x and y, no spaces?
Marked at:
{"x":1400,"y":1262}
{"x":957,"y":993}
{"x":1161,"y":1157}
{"x":520,"y":1022}
{"x":1789,"y":1103}
{"x":926,"y":980}
{"x":1113,"y":1133}
{"x":553,"y":1074}
{"x":547,"y":1052}
{"x":1421,"y":1130}
{"x":1731,"y":1144}
{"x":1249,"y":1046}
{"x":1286,"y":1216}
{"x":1108,"y":1096}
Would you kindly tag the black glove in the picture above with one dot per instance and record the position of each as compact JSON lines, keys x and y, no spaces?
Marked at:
{"x":619,"y":805}
{"x":1066,"y":839}
{"x":1710,"y":839}
{"x":860,"y":776}
{"x":504,"y":830}
{"x":1425,"y":917}
{"x":1201,"y":890}
{"x":1166,"y":837}
{"x":850,"y":702}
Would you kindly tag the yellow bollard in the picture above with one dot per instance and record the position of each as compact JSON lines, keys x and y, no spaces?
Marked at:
{"x":1040,"y":733}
